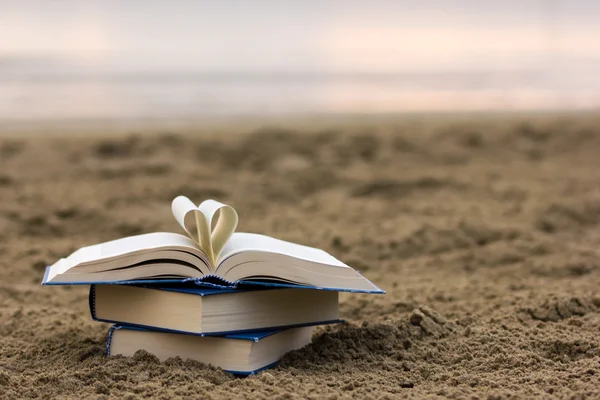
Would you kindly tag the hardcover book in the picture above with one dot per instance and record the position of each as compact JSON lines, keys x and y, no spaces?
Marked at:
{"x":211,"y":251}
{"x":205,"y":311}
{"x":242,"y":354}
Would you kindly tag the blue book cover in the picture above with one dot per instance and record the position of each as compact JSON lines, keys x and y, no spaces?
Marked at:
{"x":254,"y":336}
{"x":214,"y":281}
{"x":203,"y":292}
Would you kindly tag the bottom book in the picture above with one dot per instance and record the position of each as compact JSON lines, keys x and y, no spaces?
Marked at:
{"x":241,"y":353}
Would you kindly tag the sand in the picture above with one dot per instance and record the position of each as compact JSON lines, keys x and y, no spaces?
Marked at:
{"x":484,"y":232}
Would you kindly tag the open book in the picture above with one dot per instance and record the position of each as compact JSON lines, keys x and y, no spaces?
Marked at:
{"x":211,"y":249}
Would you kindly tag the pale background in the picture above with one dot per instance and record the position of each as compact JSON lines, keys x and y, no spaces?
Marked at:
{"x":115,"y":59}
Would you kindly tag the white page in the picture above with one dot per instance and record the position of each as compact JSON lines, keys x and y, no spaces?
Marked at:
{"x":200,"y":220}
{"x":241,"y":242}
{"x":120,"y":247}
{"x":226,"y":223}
{"x":181,"y":207}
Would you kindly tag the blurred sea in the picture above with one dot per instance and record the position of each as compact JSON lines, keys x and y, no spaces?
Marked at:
{"x":136,"y":59}
{"x":40,"y":88}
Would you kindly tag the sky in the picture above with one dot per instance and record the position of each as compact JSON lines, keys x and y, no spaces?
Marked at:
{"x":73,"y":58}
{"x":377,"y":36}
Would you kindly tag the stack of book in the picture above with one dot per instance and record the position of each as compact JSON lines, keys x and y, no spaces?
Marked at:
{"x":238,"y":301}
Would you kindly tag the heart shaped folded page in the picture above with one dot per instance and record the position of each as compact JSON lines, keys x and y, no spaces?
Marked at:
{"x":197,"y":221}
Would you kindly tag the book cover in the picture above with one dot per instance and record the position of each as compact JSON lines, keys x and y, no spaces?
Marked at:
{"x":213,"y":281}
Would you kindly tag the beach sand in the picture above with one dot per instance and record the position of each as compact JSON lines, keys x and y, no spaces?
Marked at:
{"x":484,"y":232}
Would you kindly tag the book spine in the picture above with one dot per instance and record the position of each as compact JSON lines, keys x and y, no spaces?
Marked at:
{"x":213,"y":280}
{"x":109,"y":338}
{"x":92,"y":302}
